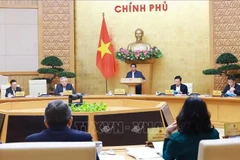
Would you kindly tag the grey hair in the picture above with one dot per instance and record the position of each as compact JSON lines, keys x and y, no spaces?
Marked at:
{"x":63,"y":78}
{"x":57,"y":113}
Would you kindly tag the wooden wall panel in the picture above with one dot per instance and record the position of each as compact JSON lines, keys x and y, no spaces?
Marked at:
{"x":226,"y":32}
{"x":56,"y":31}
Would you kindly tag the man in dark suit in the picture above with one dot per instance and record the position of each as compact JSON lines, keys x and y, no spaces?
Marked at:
{"x":11,"y":91}
{"x":136,"y":74}
{"x":58,"y":120}
{"x":60,"y":88}
{"x":178,"y":86}
{"x":232,"y":86}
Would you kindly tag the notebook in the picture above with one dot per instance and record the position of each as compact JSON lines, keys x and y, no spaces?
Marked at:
{"x":144,"y":153}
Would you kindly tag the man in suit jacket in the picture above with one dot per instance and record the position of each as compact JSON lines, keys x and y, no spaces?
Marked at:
{"x":178,"y":86}
{"x":136,"y":74}
{"x":58,"y":120}
{"x":11,"y":91}
{"x":232,"y":86}
{"x":60,"y":88}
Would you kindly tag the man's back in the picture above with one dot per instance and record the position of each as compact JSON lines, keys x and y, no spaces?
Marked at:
{"x":62,"y":134}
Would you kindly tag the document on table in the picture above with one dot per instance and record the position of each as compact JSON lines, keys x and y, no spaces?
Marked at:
{"x":144,"y":153}
{"x":111,"y":157}
{"x":158,"y":147}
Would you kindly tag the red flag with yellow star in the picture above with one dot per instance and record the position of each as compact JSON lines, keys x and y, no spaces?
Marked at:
{"x":105,"y":57}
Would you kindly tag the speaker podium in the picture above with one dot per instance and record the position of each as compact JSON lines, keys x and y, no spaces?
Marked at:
{"x":131,"y":83}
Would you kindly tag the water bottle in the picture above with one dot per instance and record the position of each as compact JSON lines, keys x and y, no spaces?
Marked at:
{"x":175,"y":92}
{"x":110,"y":93}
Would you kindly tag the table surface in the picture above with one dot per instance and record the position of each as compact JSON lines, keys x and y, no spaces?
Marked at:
{"x":139,"y":97}
{"x":121,"y":150}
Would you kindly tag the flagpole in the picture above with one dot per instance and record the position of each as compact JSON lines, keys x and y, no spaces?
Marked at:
{"x":106,"y":79}
{"x":106,"y":87}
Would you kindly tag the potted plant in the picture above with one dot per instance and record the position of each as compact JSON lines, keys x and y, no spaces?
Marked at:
{"x":228,"y":66}
{"x":138,"y":56}
{"x":85,"y":107}
{"x":53,"y":69}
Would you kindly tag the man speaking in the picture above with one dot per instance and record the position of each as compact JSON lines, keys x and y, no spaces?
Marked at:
{"x":136,"y":74}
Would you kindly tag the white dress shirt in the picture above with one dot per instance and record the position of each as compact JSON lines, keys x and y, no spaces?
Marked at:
{"x":133,"y":74}
{"x":178,"y":88}
{"x":14,"y":92}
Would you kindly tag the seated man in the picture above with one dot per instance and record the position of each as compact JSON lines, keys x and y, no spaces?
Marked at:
{"x":58,"y":120}
{"x":232,"y":87}
{"x":60,"y":88}
{"x":178,"y":86}
{"x":11,"y":91}
{"x":136,"y":74}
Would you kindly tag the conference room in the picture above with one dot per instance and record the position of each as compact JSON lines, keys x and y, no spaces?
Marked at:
{"x":119,"y":80}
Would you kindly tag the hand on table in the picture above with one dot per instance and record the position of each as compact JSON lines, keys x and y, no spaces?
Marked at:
{"x":232,"y":89}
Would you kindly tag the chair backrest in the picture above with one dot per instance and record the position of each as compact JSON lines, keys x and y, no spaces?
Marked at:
{"x":37,"y":87}
{"x":190,"y":87}
{"x":48,"y":151}
{"x":221,"y":149}
{"x":3,"y":90}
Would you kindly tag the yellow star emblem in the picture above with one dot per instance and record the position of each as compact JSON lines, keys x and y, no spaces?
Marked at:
{"x":104,"y":48}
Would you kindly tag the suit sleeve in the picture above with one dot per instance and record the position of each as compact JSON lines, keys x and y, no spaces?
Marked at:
{"x":7,"y":91}
{"x":237,"y":90}
{"x":73,"y":90}
{"x":225,"y":89}
{"x":142,"y":76}
{"x":186,"y":90}
{"x":56,"y":91}
{"x":27,"y":139}
{"x":169,"y":149}
{"x":171,"y":88}
{"x":127,"y":76}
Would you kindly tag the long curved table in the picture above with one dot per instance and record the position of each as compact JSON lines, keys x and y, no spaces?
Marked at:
{"x":222,"y":110}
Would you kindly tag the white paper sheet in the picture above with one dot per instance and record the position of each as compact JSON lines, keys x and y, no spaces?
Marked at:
{"x":143,"y":153}
{"x":158,"y":147}
{"x":111,"y":157}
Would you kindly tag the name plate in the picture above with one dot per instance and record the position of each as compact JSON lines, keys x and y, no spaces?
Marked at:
{"x":217,"y":93}
{"x":169,"y":92}
{"x":20,"y":94}
{"x":155,"y":134}
{"x":232,"y":129}
{"x":119,"y":91}
{"x":67,"y":92}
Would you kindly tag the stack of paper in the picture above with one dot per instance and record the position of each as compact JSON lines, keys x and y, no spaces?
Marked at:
{"x":143,"y":153}
{"x":158,"y":147}
{"x":111,"y":157}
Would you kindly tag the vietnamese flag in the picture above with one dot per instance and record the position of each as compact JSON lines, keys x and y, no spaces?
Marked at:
{"x":105,"y":57}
